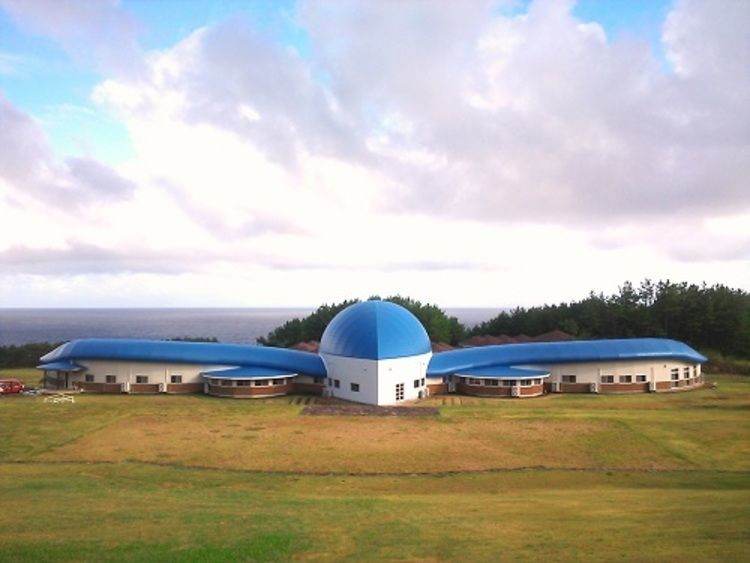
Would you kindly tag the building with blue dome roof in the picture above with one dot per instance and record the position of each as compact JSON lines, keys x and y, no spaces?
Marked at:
{"x":375,"y":330}
{"x":375,"y":352}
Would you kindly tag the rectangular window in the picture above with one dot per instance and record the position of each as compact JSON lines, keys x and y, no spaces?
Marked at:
{"x":675,"y":383}
{"x":141,"y":378}
{"x":674,"y":374}
{"x":626,"y":379}
{"x":110,"y":378}
{"x":687,"y":373}
{"x":243,"y":383}
{"x":175,"y":379}
{"x":416,"y":384}
{"x":89,"y":378}
{"x":226,"y":382}
{"x":491,"y":382}
{"x":399,"y":391}
{"x":318,"y":380}
{"x":525,"y":383}
{"x":640,"y":378}
{"x":509,"y":383}
{"x":261,"y":383}
{"x":330,"y":383}
{"x":355,"y":387}
{"x":608,"y":378}
{"x":473,"y":381}
{"x":537,"y":382}
{"x":568,"y":378}
{"x":336,"y":383}
{"x":423,"y":382}
{"x":279,"y":381}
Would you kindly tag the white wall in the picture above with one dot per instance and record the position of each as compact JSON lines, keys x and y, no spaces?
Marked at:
{"x":351,"y":370}
{"x":406,"y":371}
{"x":377,"y":379}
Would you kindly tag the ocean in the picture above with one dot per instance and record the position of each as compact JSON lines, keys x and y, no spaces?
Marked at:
{"x":242,"y":325}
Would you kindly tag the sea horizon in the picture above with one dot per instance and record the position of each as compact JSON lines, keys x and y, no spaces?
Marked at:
{"x":239,"y":325}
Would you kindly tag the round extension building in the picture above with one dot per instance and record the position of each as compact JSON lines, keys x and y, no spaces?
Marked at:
{"x":378,"y":353}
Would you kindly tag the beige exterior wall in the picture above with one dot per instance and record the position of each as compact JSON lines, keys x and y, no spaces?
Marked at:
{"x":658,"y":375}
{"x":158,"y":373}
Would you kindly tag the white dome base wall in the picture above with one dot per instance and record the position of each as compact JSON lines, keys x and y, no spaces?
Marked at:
{"x":374,"y":382}
{"x":402,"y":371}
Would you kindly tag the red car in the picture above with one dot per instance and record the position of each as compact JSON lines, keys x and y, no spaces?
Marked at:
{"x":9,"y":386}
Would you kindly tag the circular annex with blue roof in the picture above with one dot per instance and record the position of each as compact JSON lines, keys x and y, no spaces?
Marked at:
{"x":375,"y":330}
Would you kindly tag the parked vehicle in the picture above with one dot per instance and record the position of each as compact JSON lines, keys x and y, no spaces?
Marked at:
{"x":10,"y":386}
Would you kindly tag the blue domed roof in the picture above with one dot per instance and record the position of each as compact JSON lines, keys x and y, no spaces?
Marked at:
{"x":375,"y":330}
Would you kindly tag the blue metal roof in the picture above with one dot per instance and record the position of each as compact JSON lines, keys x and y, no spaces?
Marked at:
{"x":246,"y":373}
{"x":206,"y":353}
{"x":61,"y":366}
{"x":541,"y":353}
{"x":503,"y":372}
{"x":375,"y":330}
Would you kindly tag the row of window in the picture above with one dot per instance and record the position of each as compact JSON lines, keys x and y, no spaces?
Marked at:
{"x":674,"y":373}
{"x":639,"y":378}
{"x":336,"y":383}
{"x":138,"y":378}
{"x":253,"y":382}
{"x":505,"y":382}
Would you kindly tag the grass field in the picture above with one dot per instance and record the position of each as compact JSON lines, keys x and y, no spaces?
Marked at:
{"x":564,"y":477}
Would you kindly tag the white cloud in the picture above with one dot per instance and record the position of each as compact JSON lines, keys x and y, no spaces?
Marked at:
{"x":432,"y":149}
{"x":99,"y":31}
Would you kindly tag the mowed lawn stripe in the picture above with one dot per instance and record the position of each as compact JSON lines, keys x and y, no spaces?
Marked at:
{"x":134,"y":513}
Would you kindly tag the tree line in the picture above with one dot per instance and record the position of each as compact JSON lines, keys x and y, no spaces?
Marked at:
{"x":709,"y":318}
{"x":439,"y":326}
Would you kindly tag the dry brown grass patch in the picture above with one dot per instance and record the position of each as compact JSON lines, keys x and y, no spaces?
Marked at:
{"x":364,"y":444}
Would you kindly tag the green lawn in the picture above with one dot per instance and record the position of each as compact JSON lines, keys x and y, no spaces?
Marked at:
{"x":123,"y":478}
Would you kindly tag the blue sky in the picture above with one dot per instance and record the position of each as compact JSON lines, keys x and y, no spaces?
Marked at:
{"x":76,"y":125}
{"x":369,"y":147}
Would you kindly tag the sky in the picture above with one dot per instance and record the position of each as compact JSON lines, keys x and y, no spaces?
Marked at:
{"x":468,"y":154}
